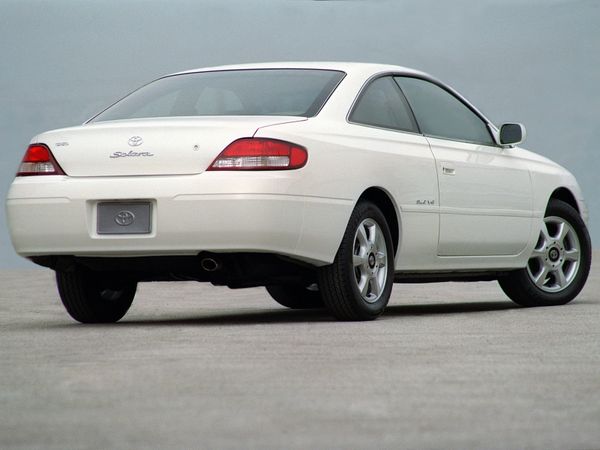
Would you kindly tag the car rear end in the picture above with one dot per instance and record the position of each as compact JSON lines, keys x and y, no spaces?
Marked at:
{"x":139,"y":182}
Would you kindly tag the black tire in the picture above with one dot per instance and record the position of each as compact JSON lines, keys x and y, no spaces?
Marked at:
{"x":550,"y":260}
{"x":339,"y":282}
{"x":94,"y":298}
{"x":295,"y":296}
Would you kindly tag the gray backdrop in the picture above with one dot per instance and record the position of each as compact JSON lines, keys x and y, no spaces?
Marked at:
{"x":531,"y":61}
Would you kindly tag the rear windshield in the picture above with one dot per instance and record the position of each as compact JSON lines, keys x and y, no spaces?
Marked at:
{"x":264,"y":92}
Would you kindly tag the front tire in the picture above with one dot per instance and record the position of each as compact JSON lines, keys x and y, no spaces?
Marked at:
{"x":295,"y":296}
{"x":94,"y":298}
{"x":358,"y":285}
{"x":559,"y":264}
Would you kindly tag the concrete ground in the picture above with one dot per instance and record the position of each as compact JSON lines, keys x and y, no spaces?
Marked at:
{"x":193,"y":366}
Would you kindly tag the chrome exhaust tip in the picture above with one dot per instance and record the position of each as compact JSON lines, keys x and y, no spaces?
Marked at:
{"x":210,"y":264}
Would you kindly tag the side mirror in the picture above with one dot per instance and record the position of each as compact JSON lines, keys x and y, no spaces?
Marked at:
{"x":512,"y":134}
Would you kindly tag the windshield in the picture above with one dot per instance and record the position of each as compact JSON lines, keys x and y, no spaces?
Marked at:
{"x":256,"y":92}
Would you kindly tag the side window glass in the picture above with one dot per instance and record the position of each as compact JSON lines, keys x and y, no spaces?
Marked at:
{"x":441,"y":114}
{"x":382,"y":104}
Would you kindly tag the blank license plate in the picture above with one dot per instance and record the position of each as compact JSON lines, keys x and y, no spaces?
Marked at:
{"x":124,"y":218}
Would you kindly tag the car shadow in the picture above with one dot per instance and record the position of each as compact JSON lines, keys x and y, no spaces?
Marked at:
{"x":282,"y":316}
{"x":449,"y":308}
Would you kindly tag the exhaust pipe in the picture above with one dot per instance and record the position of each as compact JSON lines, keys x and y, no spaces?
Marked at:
{"x":209,"y":264}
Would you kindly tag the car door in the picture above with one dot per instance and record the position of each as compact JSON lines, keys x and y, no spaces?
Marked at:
{"x":486,"y":196}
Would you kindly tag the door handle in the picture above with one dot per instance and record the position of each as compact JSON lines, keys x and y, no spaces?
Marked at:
{"x":448,"y":171}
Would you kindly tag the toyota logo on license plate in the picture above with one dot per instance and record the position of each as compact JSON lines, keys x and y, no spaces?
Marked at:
{"x":124,"y":218}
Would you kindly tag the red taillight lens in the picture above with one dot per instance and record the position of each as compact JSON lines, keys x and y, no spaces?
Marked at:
{"x":260,"y":154}
{"x":38,"y":160}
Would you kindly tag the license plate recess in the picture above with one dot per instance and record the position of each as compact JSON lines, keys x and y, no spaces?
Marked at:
{"x":124,"y":217}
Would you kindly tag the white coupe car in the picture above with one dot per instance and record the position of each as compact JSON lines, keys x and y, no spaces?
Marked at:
{"x":324,"y":182}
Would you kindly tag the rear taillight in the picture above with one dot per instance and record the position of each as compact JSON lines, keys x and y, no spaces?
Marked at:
{"x":38,"y":160}
{"x":260,"y":154}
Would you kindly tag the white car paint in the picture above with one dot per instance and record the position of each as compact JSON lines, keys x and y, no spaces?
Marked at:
{"x":178,"y":146}
{"x":484,"y":213}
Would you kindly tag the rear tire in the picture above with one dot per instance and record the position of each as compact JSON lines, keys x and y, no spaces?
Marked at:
{"x":358,"y":285}
{"x":560,"y":262}
{"x":295,"y":296}
{"x":94,"y":298}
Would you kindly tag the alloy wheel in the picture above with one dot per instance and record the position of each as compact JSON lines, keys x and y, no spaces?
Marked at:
{"x":555,"y":260}
{"x":369,"y":259}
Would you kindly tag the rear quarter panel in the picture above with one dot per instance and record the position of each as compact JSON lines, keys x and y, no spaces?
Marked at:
{"x":346,"y":159}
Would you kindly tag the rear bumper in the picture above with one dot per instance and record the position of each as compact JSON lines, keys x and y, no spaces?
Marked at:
{"x":216,"y":212}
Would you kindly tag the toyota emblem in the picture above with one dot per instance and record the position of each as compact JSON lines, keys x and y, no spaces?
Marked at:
{"x":134,"y":141}
{"x":124,"y":218}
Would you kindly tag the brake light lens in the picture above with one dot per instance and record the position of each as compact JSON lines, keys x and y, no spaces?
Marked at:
{"x":260,"y":154}
{"x":38,"y":160}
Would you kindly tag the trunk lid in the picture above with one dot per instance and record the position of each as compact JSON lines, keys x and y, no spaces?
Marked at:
{"x":161,"y":146}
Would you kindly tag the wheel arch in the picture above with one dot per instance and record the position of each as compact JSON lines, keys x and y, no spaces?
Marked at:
{"x":383,"y":200}
{"x":565,"y":195}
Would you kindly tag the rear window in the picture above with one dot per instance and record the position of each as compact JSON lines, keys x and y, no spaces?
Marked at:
{"x":257,"y":92}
